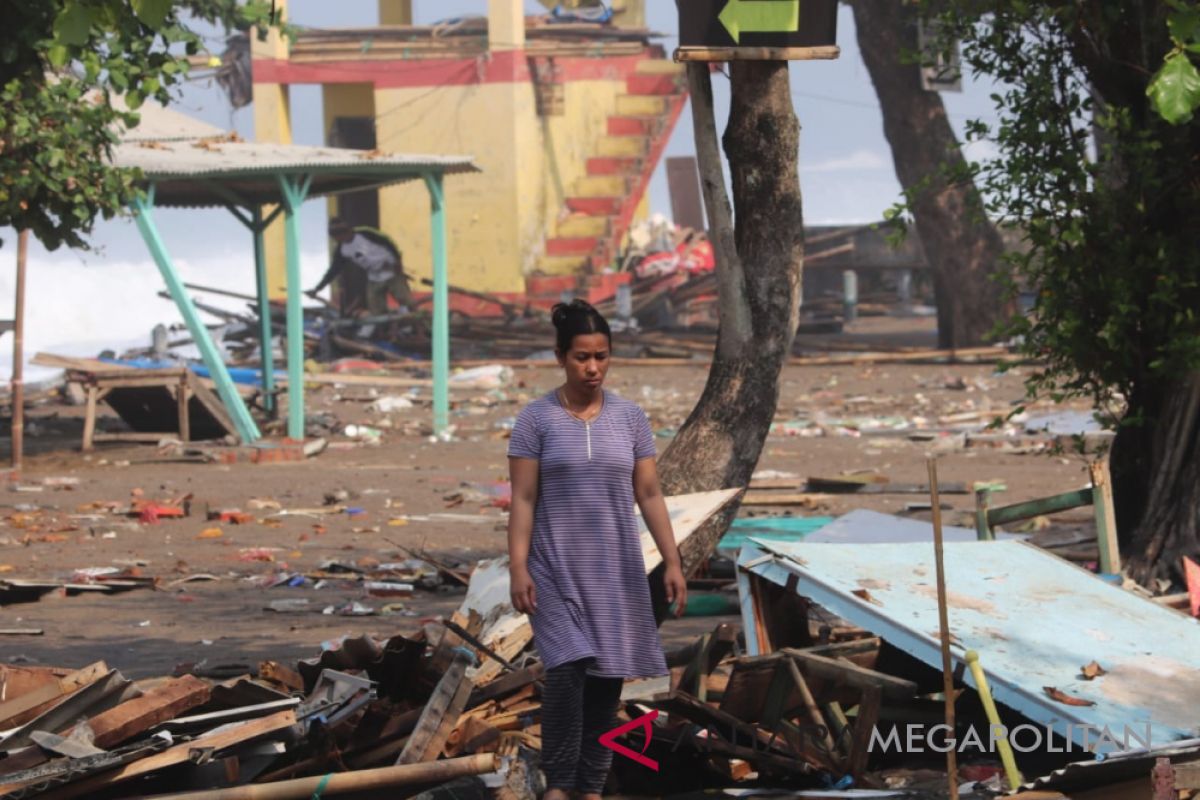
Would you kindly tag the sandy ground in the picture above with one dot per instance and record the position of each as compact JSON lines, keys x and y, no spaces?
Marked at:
{"x":225,"y":622}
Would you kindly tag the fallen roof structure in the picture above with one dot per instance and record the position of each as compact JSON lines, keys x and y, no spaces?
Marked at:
{"x":184,"y":165}
{"x":1035,"y":620}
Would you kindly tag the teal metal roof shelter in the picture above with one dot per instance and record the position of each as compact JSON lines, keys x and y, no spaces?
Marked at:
{"x":186,"y":163}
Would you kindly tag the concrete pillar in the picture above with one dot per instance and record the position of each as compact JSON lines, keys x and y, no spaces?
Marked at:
{"x":506,"y":25}
{"x":273,"y":123}
{"x":395,"y":12}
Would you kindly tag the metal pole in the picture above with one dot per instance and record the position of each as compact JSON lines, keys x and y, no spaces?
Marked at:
{"x":18,"y":367}
{"x":244,"y":423}
{"x":267,"y":357}
{"x":441,"y":307}
{"x":293,"y":196}
{"x":944,"y":625}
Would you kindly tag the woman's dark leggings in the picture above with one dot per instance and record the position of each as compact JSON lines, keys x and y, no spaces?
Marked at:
{"x":576,"y":709}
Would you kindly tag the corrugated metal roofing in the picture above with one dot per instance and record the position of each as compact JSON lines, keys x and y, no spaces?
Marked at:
{"x":159,"y":123}
{"x":204,"y":172}
{"x":1035,"y":620}
{"x":194,"y":164}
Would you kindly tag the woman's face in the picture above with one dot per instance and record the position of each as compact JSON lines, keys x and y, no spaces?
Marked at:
{"x":586,"y":363}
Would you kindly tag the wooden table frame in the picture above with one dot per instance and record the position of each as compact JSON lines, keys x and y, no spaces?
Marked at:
{"x":179,"y":381}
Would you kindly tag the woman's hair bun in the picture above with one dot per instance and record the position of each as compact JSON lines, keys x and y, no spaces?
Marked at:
{"x":562,"y":313}
{"x":577,"y":318}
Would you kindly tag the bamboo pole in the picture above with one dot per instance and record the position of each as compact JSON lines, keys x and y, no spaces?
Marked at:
{"x":944,"y":627}
{"x":344,"y":782}
{"x":18,"y":367}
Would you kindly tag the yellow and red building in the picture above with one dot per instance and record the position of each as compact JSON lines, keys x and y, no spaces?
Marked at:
{"x":566,"y":120}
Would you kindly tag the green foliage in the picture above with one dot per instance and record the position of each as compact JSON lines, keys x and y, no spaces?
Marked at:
{"x":61,"y":63}
{"x":1097,"y":168}
{"x":1175,"y":88}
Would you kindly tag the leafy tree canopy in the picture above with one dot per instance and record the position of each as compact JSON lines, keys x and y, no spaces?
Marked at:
{"x":61,"y":64}
{"x":1097,"y":166}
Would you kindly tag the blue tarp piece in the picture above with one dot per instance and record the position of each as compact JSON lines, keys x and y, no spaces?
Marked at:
{"x":598,"y":14}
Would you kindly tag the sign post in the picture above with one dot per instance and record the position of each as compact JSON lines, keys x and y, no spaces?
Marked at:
{"x":757,"y":30}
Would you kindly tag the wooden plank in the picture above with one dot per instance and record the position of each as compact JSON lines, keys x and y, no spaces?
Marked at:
{"x":179,"y":754}
{"x":158,"y":705}
{"x":440,"y":715}
{"x":185,"y":423}
{"x":773,"y":498}
{"x":287,"y":677}
{"x":810,"y":705}
{"x":847,"y":673}
{"x":21,"y":709}
{"x":1106,"y":518}
{"x":820,"y":53}
{"x":864,"y":725}
{"x":1187,"y":776}
{"x":89,"y":419}
{"x":507,"y":683}
{"x":202,"y":391}
{"x":133,"y":437}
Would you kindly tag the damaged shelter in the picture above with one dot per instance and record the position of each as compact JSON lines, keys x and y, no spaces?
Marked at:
{"x":187,"y":164}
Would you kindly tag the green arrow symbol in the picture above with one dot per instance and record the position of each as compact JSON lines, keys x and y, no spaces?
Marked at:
{"x":760,"y":16}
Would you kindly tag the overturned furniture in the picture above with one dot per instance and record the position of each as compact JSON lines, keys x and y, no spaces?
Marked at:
{"x":155,"y":403}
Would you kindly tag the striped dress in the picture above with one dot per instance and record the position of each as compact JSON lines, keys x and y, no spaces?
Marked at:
{"x":585,"y":559}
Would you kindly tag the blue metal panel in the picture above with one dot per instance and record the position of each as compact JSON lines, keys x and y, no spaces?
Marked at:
{"x":1035,"y":620}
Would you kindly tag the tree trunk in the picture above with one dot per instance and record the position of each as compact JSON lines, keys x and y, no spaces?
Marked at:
{"x":1167,"y":478}
{"x":961,"y":244}
{"x":758,"y":274}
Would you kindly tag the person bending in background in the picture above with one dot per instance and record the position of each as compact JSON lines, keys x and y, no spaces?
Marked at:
{"x":579,"y":458}
{"x":377,"y":256}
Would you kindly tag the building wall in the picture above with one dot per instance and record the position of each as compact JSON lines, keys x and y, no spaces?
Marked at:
{"x":498,"y":220}
{"x":344,"y":100}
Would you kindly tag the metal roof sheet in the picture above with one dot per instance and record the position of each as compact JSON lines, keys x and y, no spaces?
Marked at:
{"x":159,"y":123}
{"x":208,"y":172}
{"x":1035,"y":620}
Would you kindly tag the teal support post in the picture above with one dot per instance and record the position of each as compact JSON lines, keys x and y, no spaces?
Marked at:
{"x":242,"y":421}
{"x":264,"y":310}
{"x":441,"y":307}
{"x":293,"y":195}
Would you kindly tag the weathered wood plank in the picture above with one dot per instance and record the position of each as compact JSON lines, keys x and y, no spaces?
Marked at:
{"x":179,"y":754}
{"x":158,"y":705}
{"x":25,"y":707}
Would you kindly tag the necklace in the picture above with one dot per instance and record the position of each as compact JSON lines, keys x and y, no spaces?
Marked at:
{"x":566,"y":404}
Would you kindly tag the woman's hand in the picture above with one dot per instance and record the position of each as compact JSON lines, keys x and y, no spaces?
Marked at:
{"x":676,"y":588}
{"x":524,"y":596}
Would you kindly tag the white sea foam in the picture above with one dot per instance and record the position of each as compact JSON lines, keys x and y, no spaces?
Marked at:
{"x":77,"y":307}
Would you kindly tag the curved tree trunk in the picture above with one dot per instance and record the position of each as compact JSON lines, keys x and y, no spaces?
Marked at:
{"x":961,"y":244}
{"x":1169,"y":480}
{"x":758,"y":274}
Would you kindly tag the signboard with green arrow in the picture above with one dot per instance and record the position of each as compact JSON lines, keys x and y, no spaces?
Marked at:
{"x":719,"y":24}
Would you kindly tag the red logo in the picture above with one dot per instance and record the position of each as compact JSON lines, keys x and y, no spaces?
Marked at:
{"x":643,"y":721}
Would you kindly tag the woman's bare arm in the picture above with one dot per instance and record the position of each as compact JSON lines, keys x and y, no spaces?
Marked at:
{"x":648,"y":493}
{"x":523,"y":474}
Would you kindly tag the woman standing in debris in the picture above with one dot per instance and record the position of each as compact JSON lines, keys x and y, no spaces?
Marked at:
{"x":579,"y":458}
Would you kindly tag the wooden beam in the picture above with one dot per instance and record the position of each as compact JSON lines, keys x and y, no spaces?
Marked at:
{"x":864,"y":726}
{"x":179,"y":754}
{"x":139,"y":715}
{"x":21,"y":709}
{"x":441,"y":713}
{"x":847,"y":673}
{"x":822,"y":53}
{"x":1106,"y":518}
